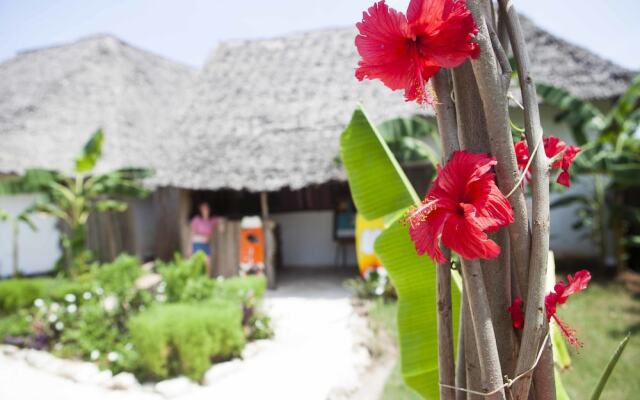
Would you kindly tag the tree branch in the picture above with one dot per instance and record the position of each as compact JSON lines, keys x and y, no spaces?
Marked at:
{"x":446,"y":117}
{"x":535,"y":324}
{"x":473,"y":136}
{"x":483,"y":328}
{"x":495,"y":105}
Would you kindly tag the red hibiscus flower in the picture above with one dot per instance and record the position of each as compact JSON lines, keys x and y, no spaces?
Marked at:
{"x":552,"y":147}
{"x":517,"y":316}
{"x":567,"y":159}
{"x":560,"y":294}
{"x":405,"y":51}
{"x":462,"y":204}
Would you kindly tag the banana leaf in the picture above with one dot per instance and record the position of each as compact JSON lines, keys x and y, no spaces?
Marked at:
{"x":380,"y":188}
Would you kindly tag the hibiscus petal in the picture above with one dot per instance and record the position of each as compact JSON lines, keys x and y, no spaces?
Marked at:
{"x":495,"y":211}
{"x":461,"y":235}
{"x":462,"y":169}
{"x":425,"y":231}
{"x":517,"y":316}
{"x":563,"y":179}
{"x":446,"y":30}
{"x":577,"y":283}
{"x":382,"y":46}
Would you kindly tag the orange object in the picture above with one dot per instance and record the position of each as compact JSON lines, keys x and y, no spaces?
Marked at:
{"x":251,"y":246}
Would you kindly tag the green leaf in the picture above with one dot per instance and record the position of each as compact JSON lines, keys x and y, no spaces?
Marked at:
{"x":24,"y":217}
{"x":377,"y":183}
{"x":561,"y":355}
{"x":414,"y":278}
{"x":580,"y":115}
{"x":561,"y":392}
{"x":91,"y":153}
{"x":3,"y":215}
{"x":606,"y":374}
{"x":34,"y":180}
{"x":380,"y":189}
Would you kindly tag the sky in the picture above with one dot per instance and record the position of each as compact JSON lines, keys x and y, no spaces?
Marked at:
{"x":187,"y":30}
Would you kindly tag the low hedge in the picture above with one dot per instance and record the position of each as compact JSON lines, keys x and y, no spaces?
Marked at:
{"x":22,"y":292}
{"x":173,"y":339}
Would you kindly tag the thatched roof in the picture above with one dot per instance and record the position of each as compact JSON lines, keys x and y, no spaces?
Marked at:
{"x":261,"y":115}
{"x":53,"y":99}
{"x":267,"y":114}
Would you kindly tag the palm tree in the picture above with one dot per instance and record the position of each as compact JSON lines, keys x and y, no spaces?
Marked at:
{"x":73,"y":198}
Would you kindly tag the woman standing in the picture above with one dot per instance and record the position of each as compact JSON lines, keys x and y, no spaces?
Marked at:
{"x":202,"y":226}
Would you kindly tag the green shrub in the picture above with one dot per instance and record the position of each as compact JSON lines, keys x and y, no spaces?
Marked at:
{"x":20,"y":293}
{"x":18,"y":324}
{"x":178,"y":273}
{"x":174,"y":339}
{"x":119,"y":276}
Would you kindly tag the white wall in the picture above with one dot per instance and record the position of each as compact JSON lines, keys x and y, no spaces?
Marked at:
{"x":307,"y":239}
{"x":37,"y":250}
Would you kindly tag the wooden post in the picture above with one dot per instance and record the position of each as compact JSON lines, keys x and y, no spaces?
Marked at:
{"x":269,"y":241}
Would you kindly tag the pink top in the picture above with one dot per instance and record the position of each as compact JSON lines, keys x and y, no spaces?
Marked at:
{"x":203,"y":227}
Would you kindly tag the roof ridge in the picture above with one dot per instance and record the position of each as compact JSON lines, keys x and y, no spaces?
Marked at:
{"x":99,"y":37}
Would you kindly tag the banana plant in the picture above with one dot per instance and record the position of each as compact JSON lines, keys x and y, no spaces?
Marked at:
{"x":380,"y":189}
{"x":406,"y":138}
{"x":611,"y":155}
{"x":72,"y":198}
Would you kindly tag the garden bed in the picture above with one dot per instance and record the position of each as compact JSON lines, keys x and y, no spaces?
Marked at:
{"x":155,"y":323}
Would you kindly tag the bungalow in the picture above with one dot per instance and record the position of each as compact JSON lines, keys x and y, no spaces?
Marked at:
{"x":256,"y":132}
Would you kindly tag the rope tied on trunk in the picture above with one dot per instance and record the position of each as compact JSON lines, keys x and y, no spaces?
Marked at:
{"x":508,"y":382}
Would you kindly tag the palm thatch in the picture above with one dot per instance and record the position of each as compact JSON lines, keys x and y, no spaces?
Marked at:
{"x":261,"y":115}
{"x":267,"y":114}
{"x":53,"y":99}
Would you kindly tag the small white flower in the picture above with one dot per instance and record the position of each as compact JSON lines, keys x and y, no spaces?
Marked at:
{"x":99,"y":291}
{"x":161,"y":287}
{"x":55,"y":307}
{"x":70,"y":298}
{"x":59,"y":325}
{"x":39,"y":303}
{"x":128,"y":346}
{"x":94,"y":355}
{"x":113,"y":356}
{"x":220,"y":278}
{"x":110,"y":303}
{"x":72,"y":308}
{"x":53,"y":318}
{"x":86,"y":295}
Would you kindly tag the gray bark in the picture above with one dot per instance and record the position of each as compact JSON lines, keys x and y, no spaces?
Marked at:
{"x":535,"y":326}
{"x":495,"y":106}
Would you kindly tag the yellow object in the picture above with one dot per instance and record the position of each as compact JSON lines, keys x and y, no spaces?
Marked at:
{"x":366,"y":234}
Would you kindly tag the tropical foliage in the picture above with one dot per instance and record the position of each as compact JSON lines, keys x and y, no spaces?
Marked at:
{"x":72,"y":198}
{"x":611,"y":156}
{"x":380,"y":189}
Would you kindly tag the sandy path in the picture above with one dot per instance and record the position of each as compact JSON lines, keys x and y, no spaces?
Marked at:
{"x":315,"y":354}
